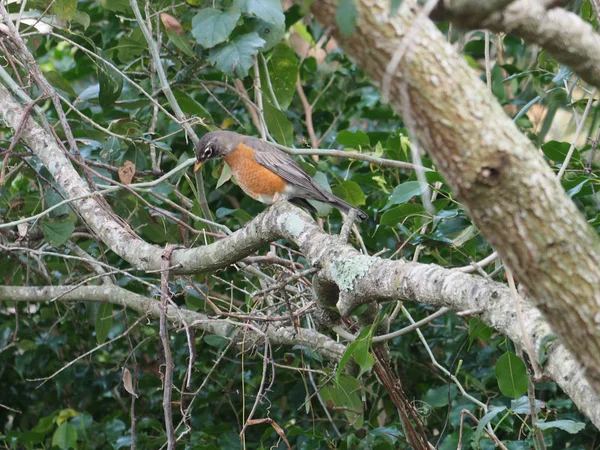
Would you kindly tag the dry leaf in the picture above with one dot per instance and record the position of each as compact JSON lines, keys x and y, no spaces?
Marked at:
{"x":22,"y":228}
{"x":127,"y":172}
{"x":128,"y":382}
{"x":171,"y":23}
{"x":275,"y":426}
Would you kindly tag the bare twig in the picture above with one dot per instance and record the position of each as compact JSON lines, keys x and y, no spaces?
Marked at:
{"x":164,"y":337}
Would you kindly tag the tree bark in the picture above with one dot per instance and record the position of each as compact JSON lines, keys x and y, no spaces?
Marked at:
{"x":505,"y":185}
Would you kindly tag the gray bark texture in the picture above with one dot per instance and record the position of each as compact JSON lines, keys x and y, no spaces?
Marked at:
{"x":505,"y":185}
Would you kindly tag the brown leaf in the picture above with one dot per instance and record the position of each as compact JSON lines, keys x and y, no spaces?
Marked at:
{"x":127,"y":172}
{"x":171,"y":23}
{"x":128,"y":382}
{"x":275,"y":426}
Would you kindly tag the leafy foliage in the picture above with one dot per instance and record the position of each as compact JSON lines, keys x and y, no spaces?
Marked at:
{"x":99,"y":62}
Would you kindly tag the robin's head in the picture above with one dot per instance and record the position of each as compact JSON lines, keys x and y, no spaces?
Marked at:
{"x":215,"y":144}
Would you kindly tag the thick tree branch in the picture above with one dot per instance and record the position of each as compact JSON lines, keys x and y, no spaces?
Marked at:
{"x":359,"y":279}
{"x":506,"y":186}
{"x":565,"y":35}
{"x":324,"y":345}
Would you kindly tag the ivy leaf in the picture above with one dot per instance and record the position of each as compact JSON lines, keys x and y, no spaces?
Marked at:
{"x":353,"y":139}
{"x":478,"y":329}
{"x":65,"y":436}
{"x":271,"y":33}
{"x":282,"y":70}
{"x":279,"y":125}
{"x":345,"y":16}
{"x":403,"y":193}
{"x":511,"y":374}
{"x":211,"y":26}
{"x":343,"y":393}
{"x":64,"y":9}
{"x":268,"y":10}
{"x":190,"y":106}
{"x":181,"y":42}
{"x":395,"y":215}
{"x":235,"y":57}
{"x":359,"y":349}
{"x":570,"y":426}
{"x":82,"y":18}
{"x":351,"y":192}
{"x":484,"y":421}
{"x":111,"y":83}
{"x":57,"y":232}
{"x":59,"y":82}
{"x":104,"y":321}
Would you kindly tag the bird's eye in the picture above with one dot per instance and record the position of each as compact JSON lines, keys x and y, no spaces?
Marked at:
{"x":208,"y":150}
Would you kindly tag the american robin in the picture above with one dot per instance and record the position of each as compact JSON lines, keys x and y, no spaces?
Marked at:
{"x":264,"y":172}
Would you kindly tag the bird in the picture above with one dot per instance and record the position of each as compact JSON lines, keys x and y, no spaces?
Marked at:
{"x":265,"y":172}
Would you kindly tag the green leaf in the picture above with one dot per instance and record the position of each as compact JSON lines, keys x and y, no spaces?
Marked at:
{"x":323,"y":209}
{"x":111,"y":149}
{"x":104,"y":321}
{"x":271,"y":33}
{"x":577,"y":189}
{"x":355,"y":139}
{"x":225,"y":176}
{"x":132,"y":46}
{"x":279,"y":125}
{"x":511,"y":374}
{"x":235,"y":57}
{"x":570,"y":426}
{"x":345,"y":16}
{"x":396,"y":215}
{"x":64,"y":9}
{"x":403,"y":193}
{"x":211,"y":26}
{"x":181,"y":42}
{"x":282,"y":70}
{"x":215,"y":341}
{"x":438,"y":397}
{"x":65,"y":437}
{"x":479,"y":330}
{"x":343,"y":393}
{"x":111,"y":83}
{"x":483,"y":423}
{"x":52,"y":198}
{"x":116,"y":5}
{"x":240,"y":214}
{"x":82,"y":18}
{"x":57,"y":232}
{"x":351,"y":192}
{"x":59,"y":82}
{"x":543,"y":348}
{"x":270,"y":11}
{"x":557,"y":151}
{"x":190,"y":106}
{"x":359,"y":349}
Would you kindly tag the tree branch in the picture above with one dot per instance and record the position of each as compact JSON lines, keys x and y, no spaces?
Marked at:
{"x":565,"y":35}
{"x":505,"y":185}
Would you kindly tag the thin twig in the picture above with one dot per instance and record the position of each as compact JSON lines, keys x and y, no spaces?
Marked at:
{"x":588,"y":106}
{"x":537,"y":371}
{"x":164,"y":337}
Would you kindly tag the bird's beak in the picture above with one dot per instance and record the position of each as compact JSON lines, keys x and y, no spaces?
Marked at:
{"x":197,"y":166}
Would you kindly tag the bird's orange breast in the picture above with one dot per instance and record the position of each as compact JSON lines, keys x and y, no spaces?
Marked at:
{"x":255,"y":180}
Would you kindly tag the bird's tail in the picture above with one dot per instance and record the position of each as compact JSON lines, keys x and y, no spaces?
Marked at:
{"x":344,"y":206}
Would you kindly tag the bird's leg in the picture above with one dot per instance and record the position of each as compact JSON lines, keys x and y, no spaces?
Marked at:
{"x":348,"y":222}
